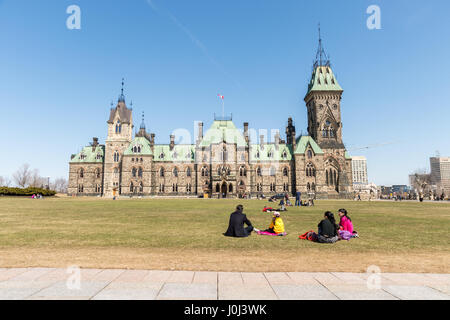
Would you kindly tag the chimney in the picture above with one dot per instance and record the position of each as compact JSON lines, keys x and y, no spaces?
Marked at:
{"x":277,"y":140}
{"x":200,"y":131}
{"x":246,"y":131}
{"x":172,"y":142}
{"x":94,"y":143}
{"x":261,"y":141}
{"x":152,"y":141}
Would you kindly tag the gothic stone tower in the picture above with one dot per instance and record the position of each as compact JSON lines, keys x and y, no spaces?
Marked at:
{"x":323,"y":102}
{"x":120,"y":134}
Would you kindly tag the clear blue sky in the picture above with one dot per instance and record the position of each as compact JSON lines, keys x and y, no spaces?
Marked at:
{"x":57,"y":84}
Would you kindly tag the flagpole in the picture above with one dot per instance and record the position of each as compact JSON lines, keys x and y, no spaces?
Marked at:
{"x":223,"y":109}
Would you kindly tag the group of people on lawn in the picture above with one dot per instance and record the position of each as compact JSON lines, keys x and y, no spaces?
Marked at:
{"x":328,"y":230}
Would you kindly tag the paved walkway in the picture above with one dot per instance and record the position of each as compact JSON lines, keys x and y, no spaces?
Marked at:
{"x":52,"y":283}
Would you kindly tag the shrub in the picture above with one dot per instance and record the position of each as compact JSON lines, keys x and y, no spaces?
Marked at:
{"x":5,"y":191}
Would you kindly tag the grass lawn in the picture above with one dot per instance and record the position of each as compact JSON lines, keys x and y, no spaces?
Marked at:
{"x":186,"y":234}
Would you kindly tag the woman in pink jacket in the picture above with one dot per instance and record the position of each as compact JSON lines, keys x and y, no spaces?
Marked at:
{"x":346,"y":225}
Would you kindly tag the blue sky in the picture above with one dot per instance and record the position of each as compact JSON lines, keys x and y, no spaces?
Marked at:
{"x":176,"y":56}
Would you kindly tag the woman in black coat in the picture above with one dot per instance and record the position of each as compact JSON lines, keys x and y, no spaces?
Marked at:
{"x":328,"y":229}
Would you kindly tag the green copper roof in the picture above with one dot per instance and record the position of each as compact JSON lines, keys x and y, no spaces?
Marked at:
{"x":88,"y":155}
{"x":303,"y":142}
{"x":269,"y":153}
{"x":141,"y":142}
{"x":181,"y":153}
{"x":323,"y":79}
{"x":223,"y":131}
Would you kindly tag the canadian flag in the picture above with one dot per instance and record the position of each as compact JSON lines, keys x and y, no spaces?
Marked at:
{"x":220,"y":96}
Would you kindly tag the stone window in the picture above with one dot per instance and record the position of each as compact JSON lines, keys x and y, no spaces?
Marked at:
{"x":175,"y":172}
{"x":310,"y":154}
{"x":272,"y":171}
{"x":285,"y":172}
{"x":133,"y":172}
{"x":258,"y":172}
{"x":81,"y":173}
{"x":116,"y":156}
{"x":161,"y":172}
{"x":140,"y":172}
{"x":188,"y":172}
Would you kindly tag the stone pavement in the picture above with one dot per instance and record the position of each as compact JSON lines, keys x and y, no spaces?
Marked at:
{"x":98,"y":284}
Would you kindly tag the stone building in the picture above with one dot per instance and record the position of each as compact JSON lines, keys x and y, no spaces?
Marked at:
{"x":223,"y":162}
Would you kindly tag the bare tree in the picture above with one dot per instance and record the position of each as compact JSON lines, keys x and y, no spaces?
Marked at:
{"x":36,"y":180}
{"x":22,"y":176}
{"x":5,"y":182}
{"x":60,"y":185}
{"x":421,"y":182}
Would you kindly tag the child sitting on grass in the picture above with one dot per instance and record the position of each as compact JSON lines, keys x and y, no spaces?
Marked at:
{"x":276,"y":226}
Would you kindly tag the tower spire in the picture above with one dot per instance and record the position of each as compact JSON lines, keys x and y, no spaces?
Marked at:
{"x":321,"y":57}
{"x":143,"y":122}
{"x":122,"y":97}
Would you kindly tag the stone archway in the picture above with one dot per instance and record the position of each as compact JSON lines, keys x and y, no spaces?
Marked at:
{"x":223,"y":190}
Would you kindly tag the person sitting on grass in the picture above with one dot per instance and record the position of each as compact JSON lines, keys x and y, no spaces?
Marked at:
{"x":346,"y":225}
{"x":276,"y":225}
{"x":328,"y":229}
{"x":236,"y":224}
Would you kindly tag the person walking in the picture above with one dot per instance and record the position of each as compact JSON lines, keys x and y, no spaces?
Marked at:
{"x":297,"y":198}
{"x":236,"y":224}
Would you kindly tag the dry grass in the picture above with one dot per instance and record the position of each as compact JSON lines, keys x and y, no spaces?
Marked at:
{"x":187,"y":235}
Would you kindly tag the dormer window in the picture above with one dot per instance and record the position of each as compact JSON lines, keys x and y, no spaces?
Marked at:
{"x":270,"y":154}
{"x":99,"y":156}
{"x":175,"y":155}
{"x":257,"y":155}
{"x":284,"y":154}
{"x":161,"y":155}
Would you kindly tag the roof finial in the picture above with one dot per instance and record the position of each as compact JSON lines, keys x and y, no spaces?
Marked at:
{"x":143,"y":123}
{"x":321,"y":56}
{"x":122,"y":97}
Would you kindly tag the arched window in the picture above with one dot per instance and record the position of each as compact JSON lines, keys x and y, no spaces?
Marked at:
{"x":116,"y":156}
{"x":224,"y":155}
{"x":230,"y":188}
{"x":188,"y":172}
{"x":334,"y":178}
{"x":285,"y":172}
{"x":175,"y":172}
{"x":118,"y":127}
{"x":205,"y":172}
{"x":140,"y":172}
{"x":81,"y":173}
{"x":161,"y":172}
{"x":133,"y":172}
{"x":242,"y":171}
{"x":284,"y":154}
{"x":310,"y":154}
{"x":258,"y":172}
